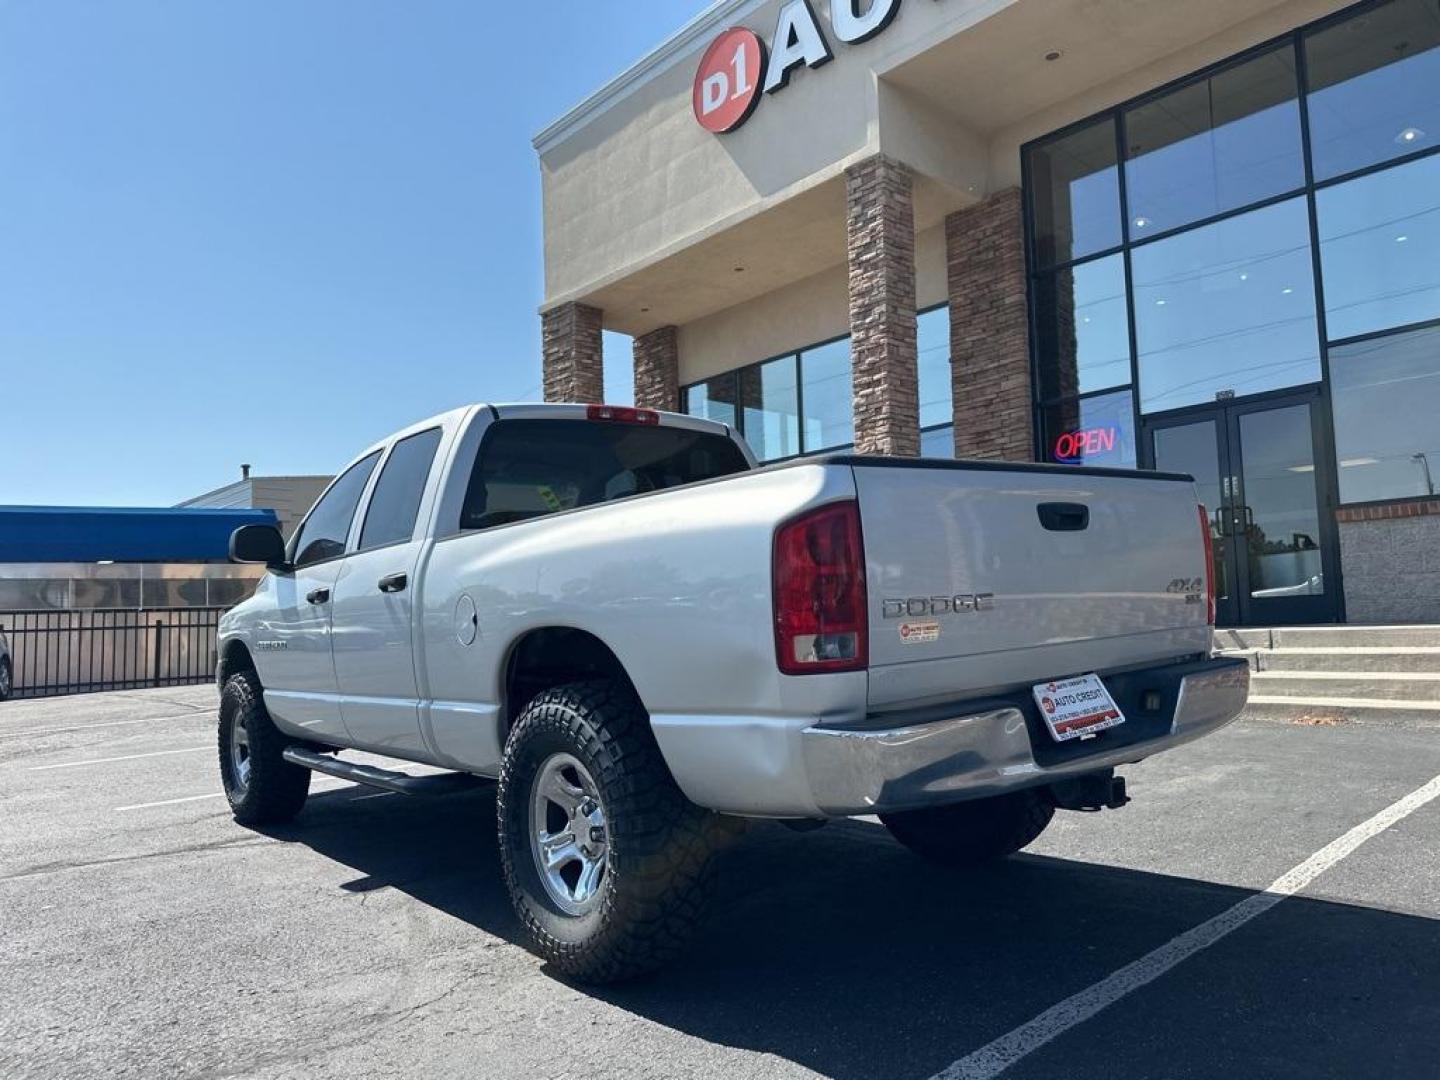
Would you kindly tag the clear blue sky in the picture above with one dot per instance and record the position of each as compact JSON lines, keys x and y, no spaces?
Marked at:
{"x":273,"y":231}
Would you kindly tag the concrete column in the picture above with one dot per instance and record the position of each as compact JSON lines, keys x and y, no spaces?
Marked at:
{"x":657,"y":370}
{"x":571,"y":353}
{"x":989,"y":332}
{"x":880,"y":233}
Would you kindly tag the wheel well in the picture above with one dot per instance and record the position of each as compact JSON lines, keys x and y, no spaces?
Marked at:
{"x":554,"y":656}
{"x":234,"y":657}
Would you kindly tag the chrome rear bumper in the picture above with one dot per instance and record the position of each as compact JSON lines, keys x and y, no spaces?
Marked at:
{"x":1000,"y":748}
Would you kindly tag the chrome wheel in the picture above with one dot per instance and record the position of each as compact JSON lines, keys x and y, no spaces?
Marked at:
{"x":240,"y":754}
{"x":568,"y":838}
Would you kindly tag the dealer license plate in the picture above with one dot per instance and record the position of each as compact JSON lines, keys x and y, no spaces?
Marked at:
{"x":1076,"y":708}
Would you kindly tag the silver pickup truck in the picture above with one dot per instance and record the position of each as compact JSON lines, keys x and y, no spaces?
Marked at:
{"x":644,"y":636}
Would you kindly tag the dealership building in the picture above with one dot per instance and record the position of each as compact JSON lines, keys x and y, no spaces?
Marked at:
{"x":1193,"y":236}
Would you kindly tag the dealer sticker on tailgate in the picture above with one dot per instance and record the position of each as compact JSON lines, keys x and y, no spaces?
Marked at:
{"x":1075,"y":708}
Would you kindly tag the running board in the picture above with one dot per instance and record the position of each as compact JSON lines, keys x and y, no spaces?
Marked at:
{"x":388,"y":779}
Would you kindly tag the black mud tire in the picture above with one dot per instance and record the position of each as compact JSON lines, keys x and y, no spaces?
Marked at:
{"x":660,"y":866}
{"x":973,"y":833}
{"x":7,"y":678}
{"x":275,"y":790}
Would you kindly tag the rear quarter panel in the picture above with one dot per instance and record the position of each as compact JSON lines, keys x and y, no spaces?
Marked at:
{"x":676,"y":584}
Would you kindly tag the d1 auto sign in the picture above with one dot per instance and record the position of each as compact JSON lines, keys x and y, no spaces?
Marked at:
{"x":727,"y":83}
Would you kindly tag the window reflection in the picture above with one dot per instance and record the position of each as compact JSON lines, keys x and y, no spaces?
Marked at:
{"x":1380,"y":249}
{"x":829,"y":398}
{"x":933,"y":357}
{"x":1082,"y":328}
{"x":1229,"y":307}
{"x":938,"y":442}
{"x":1075,"y":194}
{"x":1374,"y":86}
{"x":1385,"y":395}
{"x":1215,"y":145}
{"x":713,"y":399}
{"x":1091,"y":431}
{"x":769,"y":392}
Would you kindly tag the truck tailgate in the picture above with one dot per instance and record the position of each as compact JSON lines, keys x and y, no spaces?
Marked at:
{"x":985,"y":577}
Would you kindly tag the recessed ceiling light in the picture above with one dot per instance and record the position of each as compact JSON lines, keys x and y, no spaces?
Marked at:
{"x":1141,"y":222}
{"x":1287,"y":290}
{"x":1159,"y":303}
{"x":1401,"y":239}
{"x":1244,"y":277}
{"x":1350,"y":463}
{"x":1409,"y":135}
{"x":1302,"y":468}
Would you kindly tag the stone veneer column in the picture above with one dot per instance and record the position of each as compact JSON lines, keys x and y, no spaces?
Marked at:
{"x":989,"y":332}
{"x":880,"y":233}
{"x":657,"y":370}
{"x":572,"y":356}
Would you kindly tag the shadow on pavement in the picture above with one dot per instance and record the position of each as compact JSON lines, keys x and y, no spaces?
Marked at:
{"x":841,"y":952}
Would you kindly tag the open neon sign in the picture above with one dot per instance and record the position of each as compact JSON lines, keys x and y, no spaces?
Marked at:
{"x":1074,"y":446}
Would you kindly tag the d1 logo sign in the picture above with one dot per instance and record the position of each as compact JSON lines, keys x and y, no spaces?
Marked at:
{"x":727,"y":83}
{"x":737,"y":65}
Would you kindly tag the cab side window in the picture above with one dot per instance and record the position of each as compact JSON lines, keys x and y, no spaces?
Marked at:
{"x":323,"y":534}
{"x":390,"y":518}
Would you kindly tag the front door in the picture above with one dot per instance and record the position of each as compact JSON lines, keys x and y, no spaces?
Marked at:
{"x":1265,"y":485}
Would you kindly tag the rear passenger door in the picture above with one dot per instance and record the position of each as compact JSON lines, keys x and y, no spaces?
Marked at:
{"x":293,"y":644}
{"x":374,"y":603}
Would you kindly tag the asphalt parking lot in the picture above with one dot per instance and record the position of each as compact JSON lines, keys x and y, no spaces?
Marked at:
{"x":146,"y":934}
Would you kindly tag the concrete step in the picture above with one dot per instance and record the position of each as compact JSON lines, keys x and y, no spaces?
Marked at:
{"x":1349,"y":685}
{"x":1414,"y":658}
{"x":1316,"y":637}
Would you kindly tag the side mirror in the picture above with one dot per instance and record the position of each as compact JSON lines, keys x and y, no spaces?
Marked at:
{"x":258,"y":544}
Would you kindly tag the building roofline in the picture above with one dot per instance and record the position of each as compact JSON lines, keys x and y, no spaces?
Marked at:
{"x":652,"y":64}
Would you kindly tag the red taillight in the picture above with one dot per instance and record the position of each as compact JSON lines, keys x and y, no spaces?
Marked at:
{"x":621,"y":414}
{"x":1209,"y":564}
{"x":819,"y":592}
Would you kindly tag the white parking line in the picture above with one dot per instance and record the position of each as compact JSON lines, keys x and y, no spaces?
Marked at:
{"x":87,"y":727}
{"x":123,"y":757}
{"x":328,"y":786}
{"x":995,"y":1057}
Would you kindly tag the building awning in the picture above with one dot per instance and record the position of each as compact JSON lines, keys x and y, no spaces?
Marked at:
{"x":30,"y":534}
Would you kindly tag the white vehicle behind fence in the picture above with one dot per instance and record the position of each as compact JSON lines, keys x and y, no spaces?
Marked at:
{"x":643,"y":636}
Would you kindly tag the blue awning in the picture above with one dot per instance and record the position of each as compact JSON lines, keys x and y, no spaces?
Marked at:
{"x":122,"y":534}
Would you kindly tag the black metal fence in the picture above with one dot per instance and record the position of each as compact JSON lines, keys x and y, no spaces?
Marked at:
{"x":76,"y":652}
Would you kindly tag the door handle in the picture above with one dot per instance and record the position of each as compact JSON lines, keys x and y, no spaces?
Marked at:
{"x":1064,"y":517}
{"x":394,"y":582}
{"x":318,"y":596}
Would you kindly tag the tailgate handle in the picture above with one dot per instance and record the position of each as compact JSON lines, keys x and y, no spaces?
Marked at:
{"x":1064,"y":517}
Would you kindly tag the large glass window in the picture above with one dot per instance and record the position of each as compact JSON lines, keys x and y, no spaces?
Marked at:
{"x":829,"y":396}
{"x":714,"y":399}
{"x":1226,"y":309}
{"x":1097,"y":430}
{"x":1385,"y":395}
{"x":1082,"y":328}
{"x":1380,"y":249}
{"x":770,"y":395}
{"x":328,"y":524}
{"x":1075,"y":194}
{"x":1214,"y":145}
{"x":390,"y":517}
{"x":932,"y":342}
{"x":1374,"y":86}
{"x":938,"y":441}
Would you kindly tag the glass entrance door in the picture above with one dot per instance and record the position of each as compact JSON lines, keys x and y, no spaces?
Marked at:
{"x":1259,"y":475}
